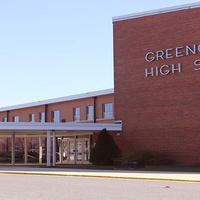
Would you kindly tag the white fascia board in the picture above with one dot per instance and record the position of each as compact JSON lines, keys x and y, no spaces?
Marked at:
{"x":156,"y":11}
{"x":61,"y":99}
{"x":38,"y":126}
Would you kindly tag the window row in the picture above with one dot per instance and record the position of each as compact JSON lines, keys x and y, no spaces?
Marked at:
{"x":107,"y":113}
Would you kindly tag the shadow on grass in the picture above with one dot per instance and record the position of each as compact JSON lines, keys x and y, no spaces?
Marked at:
{"x":94,"y":167}
{"x":146,"y":168}
{"x":173,"y":168}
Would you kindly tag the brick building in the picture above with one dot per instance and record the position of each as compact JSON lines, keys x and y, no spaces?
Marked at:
{"x":89,"y":107}
{"x":75,"y":145}
{"x":156,"y":96}
{"x":157,"y":79}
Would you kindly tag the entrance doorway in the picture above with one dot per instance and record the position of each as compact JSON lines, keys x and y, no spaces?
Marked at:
{"x":75,"y":150}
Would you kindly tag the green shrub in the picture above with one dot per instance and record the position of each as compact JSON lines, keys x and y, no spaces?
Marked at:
{"x":105,"y":150}
{"x":149,"y":157}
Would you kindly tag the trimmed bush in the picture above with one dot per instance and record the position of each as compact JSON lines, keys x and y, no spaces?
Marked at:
{"x":149,"y":157}
{"x":105,"y":150}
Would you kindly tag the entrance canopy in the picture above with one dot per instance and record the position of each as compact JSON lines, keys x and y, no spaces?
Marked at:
{"x":39,"y":128}
{"x":50,"y":131}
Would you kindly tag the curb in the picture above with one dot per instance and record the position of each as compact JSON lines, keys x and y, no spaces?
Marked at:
{"x":98,"y":176}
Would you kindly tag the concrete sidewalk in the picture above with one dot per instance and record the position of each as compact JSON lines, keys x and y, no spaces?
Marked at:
{"x":122,"y":174}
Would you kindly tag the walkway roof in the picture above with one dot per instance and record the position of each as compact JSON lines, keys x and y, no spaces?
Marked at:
{"x":39,"y":128}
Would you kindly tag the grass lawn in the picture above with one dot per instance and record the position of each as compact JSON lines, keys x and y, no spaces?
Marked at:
{"x":90,"y":166}
{"x":146,"y":168}
{"x":172,"y":168}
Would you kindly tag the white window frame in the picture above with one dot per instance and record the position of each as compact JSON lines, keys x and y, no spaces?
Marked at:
{"x":32,"y":117}
{"x":77,"y":114}
{"x":5,"y":119}
{"x":16,"y":118}
{"x":42,"y":116}
{"x":108,"y":110}
{"x":90,"y":112}
{"x":56,"y":116}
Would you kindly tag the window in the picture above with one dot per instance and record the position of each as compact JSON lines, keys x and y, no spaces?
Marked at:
{"x":31,"y":117}
{"x":4,"y":147}
{"x":108,"y":110}
{"x":4,"y":119}
{"x":56,"y":116}
{"x":77,"y":112}
{"x":43,"y":148}
{"x":90,"y":112}
{"x":15,"y":118}
{"x":17,"y":148}
{"x":32,"y":147}
{"x":42,"y":117}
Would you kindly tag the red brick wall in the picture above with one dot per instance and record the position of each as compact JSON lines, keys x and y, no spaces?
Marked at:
{"x":66,"y":113}
{"x":162,"y":112}
{"x":66,"y":110}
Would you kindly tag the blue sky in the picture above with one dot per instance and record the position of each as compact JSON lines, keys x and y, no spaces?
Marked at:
{"x":50,"y":49}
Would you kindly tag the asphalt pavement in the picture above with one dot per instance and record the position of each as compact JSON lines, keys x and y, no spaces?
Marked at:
{"x":120,"y":174}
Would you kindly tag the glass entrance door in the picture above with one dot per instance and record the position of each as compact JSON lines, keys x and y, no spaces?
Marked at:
{"x":82,"y":150}
{"x":76,"y":151}
{"x":68,"y":151}
{"x":86,"y":150}
{"x":79,"y":151}
{"x":65,"y":151}
{"x":72,"y":151}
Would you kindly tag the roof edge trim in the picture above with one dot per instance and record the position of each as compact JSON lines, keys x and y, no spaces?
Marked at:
{"x":58,"y":100}
{"x":156,"y":11}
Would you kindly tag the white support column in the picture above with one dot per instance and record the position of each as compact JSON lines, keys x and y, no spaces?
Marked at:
{"x":25,"y":151}
{"x":40,"y":150}
{"x":48,"y":148}
{"x":61,"y":151}
{"x":54,"y":148}
{"x":13,"y":150}
{"x":75,"y":153}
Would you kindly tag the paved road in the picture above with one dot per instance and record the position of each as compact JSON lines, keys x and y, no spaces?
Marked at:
{"x":32,"y":187}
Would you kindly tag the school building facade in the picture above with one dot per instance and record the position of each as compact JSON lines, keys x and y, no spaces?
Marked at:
{"x":155,"y":103}
{"x":157,"y":79}
{"x":66,"y":126}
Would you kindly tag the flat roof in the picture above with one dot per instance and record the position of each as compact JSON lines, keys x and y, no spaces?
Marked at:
{"x":60,"y":99}
{"x":157,"y":11}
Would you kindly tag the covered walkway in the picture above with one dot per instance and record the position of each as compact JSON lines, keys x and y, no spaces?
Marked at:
{"x":74,"y":134}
